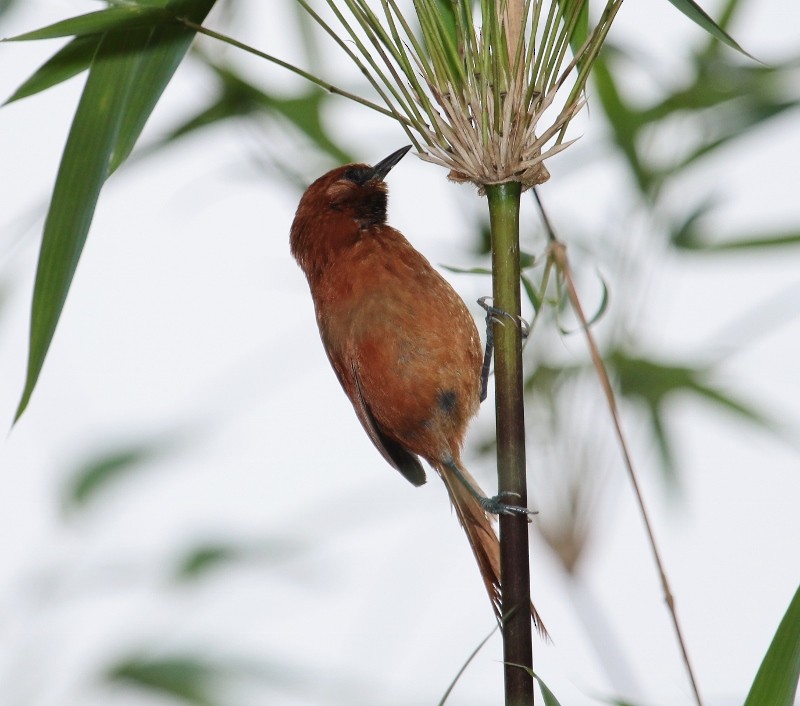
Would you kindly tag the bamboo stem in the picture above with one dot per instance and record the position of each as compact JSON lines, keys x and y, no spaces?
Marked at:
{"x":504,"y":201}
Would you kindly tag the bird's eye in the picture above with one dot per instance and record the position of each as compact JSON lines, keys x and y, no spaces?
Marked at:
{"x":358,"y":175}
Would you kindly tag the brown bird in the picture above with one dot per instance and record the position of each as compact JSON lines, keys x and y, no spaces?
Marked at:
{"x":401,"y":341}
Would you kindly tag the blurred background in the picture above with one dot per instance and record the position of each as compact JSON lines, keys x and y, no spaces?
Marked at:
{"x":189,"y":509}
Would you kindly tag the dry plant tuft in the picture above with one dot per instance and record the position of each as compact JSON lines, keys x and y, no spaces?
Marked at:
{"x":478,"y":92}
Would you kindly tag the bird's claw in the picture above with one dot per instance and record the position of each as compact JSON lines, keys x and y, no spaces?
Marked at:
{"x":496,"y":315}
{"x":496,"y":506}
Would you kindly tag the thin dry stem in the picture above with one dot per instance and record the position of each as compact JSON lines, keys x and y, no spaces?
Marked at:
{"x":558,"y":254}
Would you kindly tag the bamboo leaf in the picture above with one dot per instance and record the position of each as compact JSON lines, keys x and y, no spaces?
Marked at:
{"x":697,"y":15}
{"x":157,"y":60}
{"x":624,"y":120}
{"x":213,"y":556}
{"x":730,"y":403}
{"x":601,"y":309}
{"x":238,"y":97}
{"x":99,"y":472}
{"x":67,"y":62}
{"x":467,"y":270}
{"x":691,"y":241}
{"x":652,"y":382}
{"x":776,"y":681}
{"x":189,"y":679}
{"x":6,"y":5}
{"x":446,"y":18}
{"x":437,"y":20}
{"x":527,"y":260}
{"x":206,"y":558}
{"x":119,"y":18}
{"x":683,"y":234}
{"x":127,"y":75}
{"x":84,"y":167}
{"x":464,"y":666}
{"x":734,"y":125}
{"x":530,"y":290}
{"x":580,"y":30}
{"x":197,"y":679}
{"x":664,"y":444}
{"x":725,"y":16}
{"x":549,"y":697}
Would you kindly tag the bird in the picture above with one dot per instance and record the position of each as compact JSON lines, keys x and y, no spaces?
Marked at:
{"x":401,"y":342}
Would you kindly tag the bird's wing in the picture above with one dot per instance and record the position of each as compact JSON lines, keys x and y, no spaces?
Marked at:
{"x":395,"y":453}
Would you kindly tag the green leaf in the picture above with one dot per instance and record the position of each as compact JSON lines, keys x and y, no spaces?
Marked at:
{"x":188,"y":679}
{"x":712,"y":394}
{"x":466,"y":664}
{"x":734,"y":123}
{"x":545,"y":379}
{"x":103,"y":470}
{"x":157,"y":60}
{"x":238,"y":97}
{"x":601,"y":309}
{"x":683,"y":234}
{"x":719,"y":80}
{"x":527,"y":260}
{"x":6,"y":5}
{"x":625,"y":121}
{"x":530,"y":290}
{"x":67,"y":62}
{"x":779,"y":240}
{"x":652,"y":383}
{"x":580,"y":29}
{"x":467,"y":271}
{"x":123,"y":17}
{"x":196,"y":679}
{"x":659,"y":430}
{"x":697,"y":15}
{"x":439,"y":24}
{"x":549,"y":697}
{"x":127,"y":75}
{"x":776,"y":681}
{"x":84,"y":167}
{"x":206,"y":558}
{"x":692,"y":241}
{"x":725,"y":14}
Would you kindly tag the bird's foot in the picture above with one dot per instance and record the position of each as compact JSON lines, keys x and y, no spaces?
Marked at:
{"x":496,"y":315}
{"x":496,"y":506}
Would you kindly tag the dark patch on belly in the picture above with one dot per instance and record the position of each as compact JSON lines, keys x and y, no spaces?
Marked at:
{"x":447,"y":400}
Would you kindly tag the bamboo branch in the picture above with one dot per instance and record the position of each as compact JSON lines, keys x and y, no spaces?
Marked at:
{"x":504,"y":201}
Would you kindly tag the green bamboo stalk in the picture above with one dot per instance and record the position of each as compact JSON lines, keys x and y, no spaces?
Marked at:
{"x":504,"y":201}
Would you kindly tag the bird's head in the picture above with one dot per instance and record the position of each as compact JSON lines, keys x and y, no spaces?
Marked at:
{"x":337,"y":208}
{"x":357,"y":192}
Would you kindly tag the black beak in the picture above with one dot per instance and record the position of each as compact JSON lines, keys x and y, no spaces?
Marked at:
{"x":382,"y":168}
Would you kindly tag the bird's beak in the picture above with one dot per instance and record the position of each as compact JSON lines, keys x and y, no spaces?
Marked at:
{"x":382,"y":168}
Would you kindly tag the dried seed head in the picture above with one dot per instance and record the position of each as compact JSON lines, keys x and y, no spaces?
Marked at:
{"x":480,"y":101}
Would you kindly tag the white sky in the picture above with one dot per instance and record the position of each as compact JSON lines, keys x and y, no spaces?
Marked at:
{"x":188,"y":314}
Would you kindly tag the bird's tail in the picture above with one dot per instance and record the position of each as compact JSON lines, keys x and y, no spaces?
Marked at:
{"x":481,"y":535}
